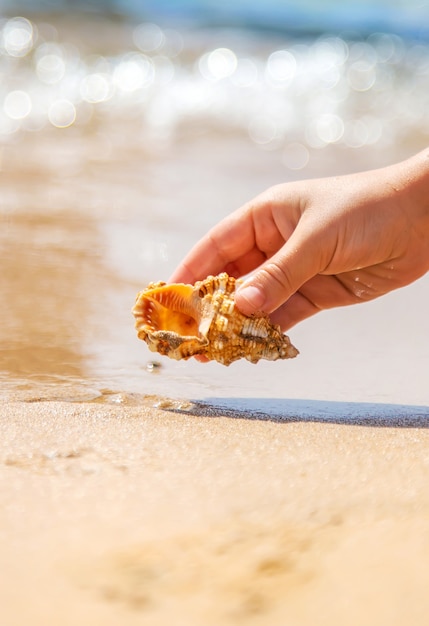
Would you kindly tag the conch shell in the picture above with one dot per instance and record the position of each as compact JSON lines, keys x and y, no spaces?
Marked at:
{"x":181,"y":321}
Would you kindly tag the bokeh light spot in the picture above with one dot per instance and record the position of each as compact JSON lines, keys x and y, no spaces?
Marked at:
{"x":295,"y":156}
{"x":62,"y":113}
{"x":148,"y":37}
{"x":330,"y":128}
{"x":281,"y":66}
{"x":96,"y":88}
{"x":218,"y":64}
{"x":50,"y":68}
{"x":17,"y":105}
{"x":361,"y":76}
{"x":18,"y":36}
{"x":263,"y":130}
{"x":133,"y":72}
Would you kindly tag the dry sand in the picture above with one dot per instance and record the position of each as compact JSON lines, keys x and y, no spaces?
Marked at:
{"x":130,"y":514}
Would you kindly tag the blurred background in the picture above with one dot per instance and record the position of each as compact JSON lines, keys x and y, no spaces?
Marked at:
{"x":317,"y":73}
{"x":405,"y":16}
{"x":129,"y":127}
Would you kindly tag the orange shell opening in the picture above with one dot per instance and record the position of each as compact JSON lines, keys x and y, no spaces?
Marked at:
{"x":169,"y":308}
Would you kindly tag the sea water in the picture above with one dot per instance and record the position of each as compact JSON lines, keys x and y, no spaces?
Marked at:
{"x":123,"y":140}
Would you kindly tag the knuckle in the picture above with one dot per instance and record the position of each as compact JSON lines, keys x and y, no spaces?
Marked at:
{"x":277,"y":275}
{"x":274,"y":194}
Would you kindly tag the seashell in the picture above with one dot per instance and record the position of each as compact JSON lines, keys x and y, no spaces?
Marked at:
{"x":181,"y":321}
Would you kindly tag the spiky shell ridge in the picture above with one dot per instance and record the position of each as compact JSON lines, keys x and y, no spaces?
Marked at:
{"x":181,"y":321}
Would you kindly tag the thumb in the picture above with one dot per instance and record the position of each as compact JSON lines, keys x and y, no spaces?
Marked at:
{"x":281,"y":276}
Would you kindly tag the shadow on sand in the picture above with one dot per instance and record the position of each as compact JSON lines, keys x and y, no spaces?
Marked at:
{"x":299,"y":410}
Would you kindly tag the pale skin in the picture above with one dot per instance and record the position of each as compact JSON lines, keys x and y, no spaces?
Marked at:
{"x":316,"y":244}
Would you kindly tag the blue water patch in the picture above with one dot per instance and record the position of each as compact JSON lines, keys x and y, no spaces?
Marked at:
{"x":408,"y":18}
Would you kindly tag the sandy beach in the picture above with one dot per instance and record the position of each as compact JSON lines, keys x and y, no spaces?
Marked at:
{"x":283,"y":493}
{"x":293,"y":493}
{"x":138,"y":515}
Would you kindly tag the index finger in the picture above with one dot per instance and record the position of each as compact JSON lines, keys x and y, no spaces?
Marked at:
{"x":229,"y":246}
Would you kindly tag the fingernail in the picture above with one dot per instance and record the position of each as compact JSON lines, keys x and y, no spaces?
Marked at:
{"x":252,"y":297}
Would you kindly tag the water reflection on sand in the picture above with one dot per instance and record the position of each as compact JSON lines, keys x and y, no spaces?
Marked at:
{"x":45,"y":287}
{"x":49,"y":270}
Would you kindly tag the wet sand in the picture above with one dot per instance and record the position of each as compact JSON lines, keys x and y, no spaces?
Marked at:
{"x":286,"y":493}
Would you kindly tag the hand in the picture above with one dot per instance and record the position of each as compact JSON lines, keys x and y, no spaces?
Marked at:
{"x":322,"y":243}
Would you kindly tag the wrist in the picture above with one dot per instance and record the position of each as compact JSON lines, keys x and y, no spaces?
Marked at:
{"x":413,"y":179}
